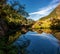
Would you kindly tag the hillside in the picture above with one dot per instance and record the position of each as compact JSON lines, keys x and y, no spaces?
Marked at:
{"x":47,"y":21}
{"x":13,"y":23}
{"x":54,"y":14}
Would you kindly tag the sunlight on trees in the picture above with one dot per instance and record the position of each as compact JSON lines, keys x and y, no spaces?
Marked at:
{"x":11,"y":23}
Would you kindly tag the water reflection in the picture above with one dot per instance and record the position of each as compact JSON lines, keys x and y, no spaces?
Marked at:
{"x":34,"y":43}
{"x":56,"y":33}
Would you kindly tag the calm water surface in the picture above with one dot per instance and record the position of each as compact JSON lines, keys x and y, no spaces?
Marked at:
{"x":34,"y":43}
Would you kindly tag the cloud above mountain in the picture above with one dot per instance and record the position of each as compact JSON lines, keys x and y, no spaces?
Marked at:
{"x":44,"y":11}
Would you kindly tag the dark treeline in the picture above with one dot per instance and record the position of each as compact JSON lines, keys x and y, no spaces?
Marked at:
{"x":13,"y":22}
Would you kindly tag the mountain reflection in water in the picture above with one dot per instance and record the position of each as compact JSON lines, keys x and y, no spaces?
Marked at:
{"x":38,"y":43}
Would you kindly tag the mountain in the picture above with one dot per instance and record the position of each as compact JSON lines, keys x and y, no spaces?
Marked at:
{"x":46,"y":21}
{"x":54,"y":14}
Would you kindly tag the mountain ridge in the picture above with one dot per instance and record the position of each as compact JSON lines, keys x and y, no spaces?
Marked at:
{"x":47,"y":20}
{"x":53,"y":12}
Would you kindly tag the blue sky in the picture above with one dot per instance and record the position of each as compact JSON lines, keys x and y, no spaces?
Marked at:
{"x":34,"y":5}
{"x":39,"y":8}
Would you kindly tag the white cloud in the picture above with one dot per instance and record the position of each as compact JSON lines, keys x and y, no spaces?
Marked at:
{"x":44,"y":11}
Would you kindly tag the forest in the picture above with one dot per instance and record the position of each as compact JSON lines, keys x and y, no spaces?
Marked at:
{"x":13,"y":23}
